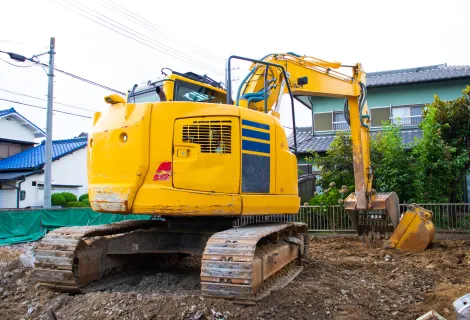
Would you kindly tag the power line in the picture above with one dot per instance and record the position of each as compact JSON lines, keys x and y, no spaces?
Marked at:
{"x":44,"y":108}
{"x":138,"y":34}
{"x":86,"y":80}
{"x":17,"y":56}
{"x":14,"y":65}
{"x":135,"y":35}
{"x":155,"y":29}
{"x":55,"y":102}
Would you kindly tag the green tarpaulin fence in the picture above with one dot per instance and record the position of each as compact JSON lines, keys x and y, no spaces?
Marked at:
{"x":30,"y":225}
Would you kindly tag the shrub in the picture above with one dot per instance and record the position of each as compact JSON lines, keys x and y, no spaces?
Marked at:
{"x":69,"y":196}
{"x":86,"y":201}
{"x":75,"y":204}
{"x":58,"y":199}
{"x":83,"y":196}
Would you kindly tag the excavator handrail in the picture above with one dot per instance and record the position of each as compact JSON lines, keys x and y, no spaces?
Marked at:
{"x":229,"y":88}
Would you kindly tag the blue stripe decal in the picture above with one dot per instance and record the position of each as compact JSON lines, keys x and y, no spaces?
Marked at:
{"x":255,"y":134}
{"x":255,"y":146}
{"x":255,"y":124}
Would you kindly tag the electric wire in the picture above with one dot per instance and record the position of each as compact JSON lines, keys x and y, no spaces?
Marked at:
{"x":155,"y":28}
{"x":15,"y":65}
{"x":44,"y":108}
{"x":42,"y":99}
{"x":86,"y":80}
{"x":70,"y":75}
{"x":134,"y":35}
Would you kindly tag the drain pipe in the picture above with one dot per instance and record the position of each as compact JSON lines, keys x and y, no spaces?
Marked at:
{"x":18,"y":190}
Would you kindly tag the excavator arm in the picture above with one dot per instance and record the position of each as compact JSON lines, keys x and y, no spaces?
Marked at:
{"x":262,"y":90}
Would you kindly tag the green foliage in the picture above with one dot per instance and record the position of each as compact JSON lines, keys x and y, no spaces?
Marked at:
{"x":75,"y":204}
{"x":83,"y":196}
{"x":58,"y":199}
{"x":394,"y":168}
{"x":337,"y":165}
{"x":86,"y":201}
{"x":443,"y":153}
{"x":69,"y":196}
{"x":432,"y":172}
{"x":331,"y":196}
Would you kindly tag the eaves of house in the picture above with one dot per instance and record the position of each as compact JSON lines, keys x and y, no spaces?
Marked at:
{"x":306,"y":141}
{"x":38,"y":133}
{"x":32,"y":160}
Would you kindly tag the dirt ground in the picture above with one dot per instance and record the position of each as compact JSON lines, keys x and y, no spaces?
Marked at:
{"x":342,"y":279}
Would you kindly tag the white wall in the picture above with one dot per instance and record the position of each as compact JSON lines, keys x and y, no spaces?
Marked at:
{"x":68,"y":170}
{"x":12,"y":129}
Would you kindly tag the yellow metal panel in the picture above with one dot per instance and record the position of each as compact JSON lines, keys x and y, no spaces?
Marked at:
{"x":118,"y":156}
{"x":176,"y":202}
{"x":268,"y":204}
{"x":213,"y":163}
{"x":286,"y":165}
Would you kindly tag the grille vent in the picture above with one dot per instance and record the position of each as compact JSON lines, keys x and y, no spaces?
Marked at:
{"x":214,"y":136}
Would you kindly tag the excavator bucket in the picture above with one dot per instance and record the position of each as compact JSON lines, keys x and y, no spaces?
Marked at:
{"x":415,"y":230}
{"x":382,"y":217}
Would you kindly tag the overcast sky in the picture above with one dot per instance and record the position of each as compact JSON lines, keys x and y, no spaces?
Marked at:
{"x":199,"y":35}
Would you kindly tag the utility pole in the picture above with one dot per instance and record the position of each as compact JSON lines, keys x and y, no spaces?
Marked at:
{"x":48,"y":149}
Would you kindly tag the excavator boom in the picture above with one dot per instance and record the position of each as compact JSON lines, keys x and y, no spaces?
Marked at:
{"x":371,"y":213}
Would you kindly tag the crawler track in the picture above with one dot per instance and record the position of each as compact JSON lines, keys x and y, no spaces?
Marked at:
{"x":241,"y":264}
{"x":247,"y":263}
{"x":60,"y":266}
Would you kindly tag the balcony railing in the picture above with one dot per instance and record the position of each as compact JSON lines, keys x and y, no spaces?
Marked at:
{"x":340,"y":126}
{"x":407,"y":121}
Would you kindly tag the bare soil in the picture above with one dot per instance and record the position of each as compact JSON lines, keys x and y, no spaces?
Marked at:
{"x":343,"y":279}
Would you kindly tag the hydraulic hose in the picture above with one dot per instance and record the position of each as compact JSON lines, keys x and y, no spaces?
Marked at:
{"x":362,"y":102}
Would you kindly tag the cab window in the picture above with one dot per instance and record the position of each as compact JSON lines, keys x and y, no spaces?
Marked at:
{"x":191,"y":92}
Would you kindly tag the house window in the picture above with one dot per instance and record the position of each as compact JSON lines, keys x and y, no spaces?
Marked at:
{"x":407,"y":116}
{"x":323,"y":121}
{"x":378,"y":115}
{"x":339,"y":122}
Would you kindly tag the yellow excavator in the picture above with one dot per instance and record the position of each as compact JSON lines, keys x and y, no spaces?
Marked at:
{"x":180,"y":149}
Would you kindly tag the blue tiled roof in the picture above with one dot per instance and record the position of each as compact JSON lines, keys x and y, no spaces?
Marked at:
{"x":39,"y":134}
{"x":320,"y":143}
{"x":416,"y":75}
{"x":33,"y":158}
{"x":7,"y":112}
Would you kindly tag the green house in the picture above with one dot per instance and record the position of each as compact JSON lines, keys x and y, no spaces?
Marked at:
{"x":396,"y":96}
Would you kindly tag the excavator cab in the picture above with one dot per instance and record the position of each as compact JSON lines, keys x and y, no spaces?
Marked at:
{"x":176,"y":86}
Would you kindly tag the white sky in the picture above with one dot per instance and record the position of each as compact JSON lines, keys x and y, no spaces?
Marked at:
{"x":381,"y":35}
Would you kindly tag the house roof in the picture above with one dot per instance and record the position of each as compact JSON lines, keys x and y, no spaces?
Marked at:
{"x":433,"y":73}
{"x":320,"y":143}
{"x":33,"y":158}
{"x":15,"y":175}
{"x":38,"y":133}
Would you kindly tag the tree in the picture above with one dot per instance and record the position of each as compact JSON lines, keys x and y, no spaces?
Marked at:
{"x":394,"y":167}
{"x":337,"y":165}
{"x":434,"y":171}
{"x":443,"y":153}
